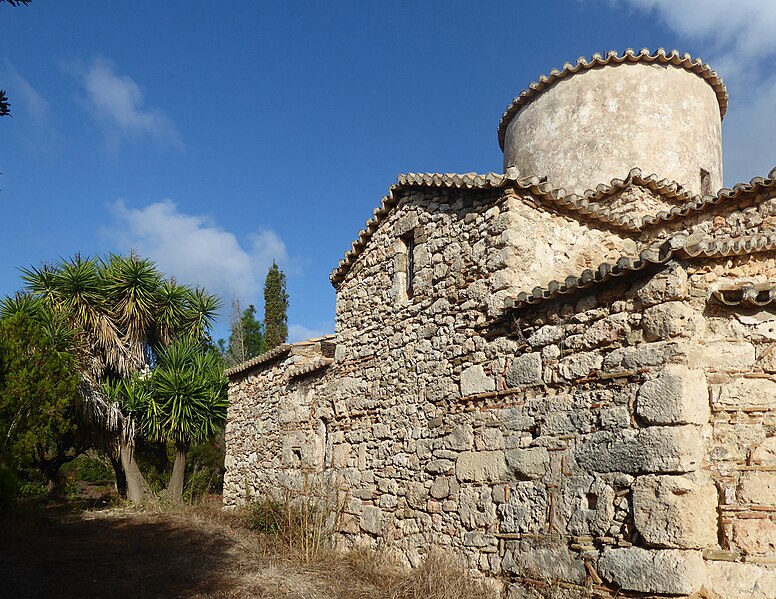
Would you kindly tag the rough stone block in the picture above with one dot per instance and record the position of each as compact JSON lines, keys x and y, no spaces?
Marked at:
{"x":460,"y":438}
{"x":748,"y":392}
{"x":657,"y":449}
{"x":481,"y":466}
{"x":526,"y":509}
{"x":726,"y":355}
{"x":606,"y":331}
{"x":503,"y":279}
{"x":489,"y":438}
{"x":474,"y":380}
{"x":646,"y":355}
{"x":755,"y":536}
{"x":672,"y":448}
{"x":440,"y":488}
{"x":610,"y":451}
{"x":758,"y":487}
{"x":546,"y":335}
{"x":667,"y":571}
{"x":672,"y":319}
{"x":677,"y":395}
{"x":671,"y":284}
{"x":544,"y":562}
{"x":340,"y":455}
{"x":765,"y":453}
{"x":618,"y":417}
{"x":580,"y":365}
{"x":525,"y":370}
{"x":675,"y":511}
{"x":372,"y":520}
{"x":530,"y":463}
{"x":439,"y":466}
{"x":739,"y":581}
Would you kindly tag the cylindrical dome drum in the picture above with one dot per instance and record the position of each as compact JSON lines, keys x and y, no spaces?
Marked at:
{"x":595,"y":121}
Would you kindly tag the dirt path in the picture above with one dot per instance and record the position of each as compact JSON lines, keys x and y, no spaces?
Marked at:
{"x":125,"y":553}
{"x":196,"y":552}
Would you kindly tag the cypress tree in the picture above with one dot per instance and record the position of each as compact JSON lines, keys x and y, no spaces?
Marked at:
{"x":275,"y":308}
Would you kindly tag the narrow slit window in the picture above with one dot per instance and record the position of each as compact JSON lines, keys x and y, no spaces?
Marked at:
{"x":409,"y":242}
{"x":705,"y":182}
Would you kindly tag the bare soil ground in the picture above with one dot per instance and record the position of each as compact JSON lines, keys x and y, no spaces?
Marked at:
{"x":64,"y":551}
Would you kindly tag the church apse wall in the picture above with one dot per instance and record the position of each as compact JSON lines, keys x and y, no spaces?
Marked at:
{"x":524,"y":377}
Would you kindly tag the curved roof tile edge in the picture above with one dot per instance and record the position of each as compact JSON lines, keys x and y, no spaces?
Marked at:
{"x":558,"y":197}
{"x":673,"y":57}
{"x":699,"y":203}
{"x":746,"y":293}
{"x":657,"y":254}
{"x":267,"y":356}
{"x":274,"y":353}
{"x":308,"y":367}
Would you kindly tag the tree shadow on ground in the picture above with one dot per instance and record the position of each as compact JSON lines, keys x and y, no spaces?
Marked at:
{"x":56,"y":555}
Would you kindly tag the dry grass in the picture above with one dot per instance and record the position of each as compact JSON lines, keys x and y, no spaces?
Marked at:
{"x":202,"y":551}
{"x":300,"y":526}
{"x":302,"y":523}
{"x":438,"y":576}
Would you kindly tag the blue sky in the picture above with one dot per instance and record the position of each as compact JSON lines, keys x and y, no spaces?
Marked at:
{"x":214,"y":138}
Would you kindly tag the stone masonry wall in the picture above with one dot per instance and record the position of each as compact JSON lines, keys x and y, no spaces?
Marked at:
{"x":620,"y":440}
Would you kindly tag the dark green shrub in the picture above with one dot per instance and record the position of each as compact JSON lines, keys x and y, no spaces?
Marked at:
{"x":9,"y":487}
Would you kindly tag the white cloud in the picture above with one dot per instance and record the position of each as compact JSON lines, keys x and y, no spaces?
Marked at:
{"x":298,"y":332}
{"x":24,"y":95}
{"x":740,"y":45}
{"x":117,"y":103}
{"x":195,"y":250}
{"x":744,"y":28}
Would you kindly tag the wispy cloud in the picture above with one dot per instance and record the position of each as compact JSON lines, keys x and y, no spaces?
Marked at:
{"x":25,"y":96}
{"x":741,"y":47}
{"x":195,"y":250}
{"x":118,"y":105}
{"x":298,"y":332}
{"x":739,"y":34}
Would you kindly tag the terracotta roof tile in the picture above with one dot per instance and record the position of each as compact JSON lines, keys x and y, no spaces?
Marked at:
{"x":585,"y":205}
{"x":746,"y":293}
{"x":308,"y":367}
{"x":277,"y":352}
{"x":274,"y":353}
{"x":680,"y":245}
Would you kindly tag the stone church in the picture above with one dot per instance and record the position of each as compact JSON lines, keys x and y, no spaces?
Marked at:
{"x":566,"y":373}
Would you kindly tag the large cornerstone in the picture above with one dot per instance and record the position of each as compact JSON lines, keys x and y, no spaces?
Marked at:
{"x":565,"y":374}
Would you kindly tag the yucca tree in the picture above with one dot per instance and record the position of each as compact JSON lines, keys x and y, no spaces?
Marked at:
{"x":182,"y":401}
{"x":118,"y":309}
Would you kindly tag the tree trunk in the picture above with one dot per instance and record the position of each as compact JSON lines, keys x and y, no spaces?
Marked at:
{"x":121,"y":478}
{"x":137,"y":487}
{"x":175,"y":488}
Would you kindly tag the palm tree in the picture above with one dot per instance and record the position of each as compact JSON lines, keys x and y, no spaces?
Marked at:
{"x":182,"y":400}
{"x":120,"y":310}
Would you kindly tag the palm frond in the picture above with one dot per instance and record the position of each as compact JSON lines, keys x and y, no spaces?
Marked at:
{"x":203,"y":309}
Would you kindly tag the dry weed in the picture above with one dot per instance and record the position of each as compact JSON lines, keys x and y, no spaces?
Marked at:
{"x":370,"y":574}
{"x":299,"y":523}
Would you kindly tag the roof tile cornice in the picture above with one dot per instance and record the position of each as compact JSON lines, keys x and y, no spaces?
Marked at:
{"x":699,"y":203}
{"x":268,"y":356}
{"x":746,"y":293}
{"x":586,"y":205}
{"x":308,"y":367}
{"x":681,"y":245}
{"x":587,"y":278}
{"x":674,"y":58}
